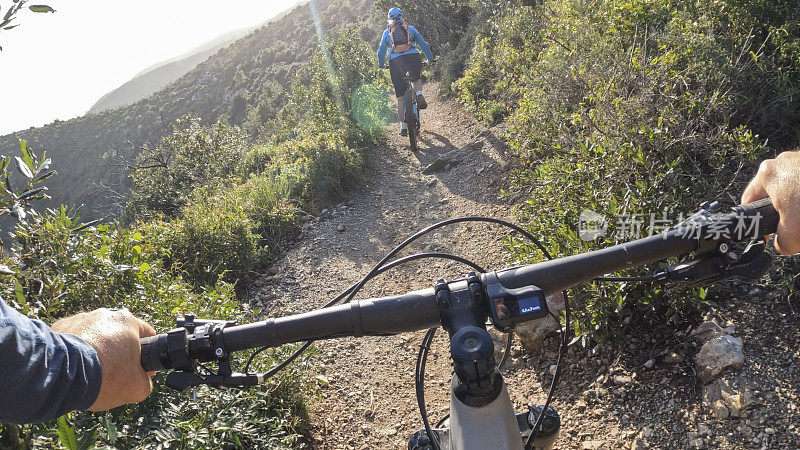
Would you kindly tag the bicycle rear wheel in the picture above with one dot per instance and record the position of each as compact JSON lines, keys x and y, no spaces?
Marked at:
{"x":411,"y":117}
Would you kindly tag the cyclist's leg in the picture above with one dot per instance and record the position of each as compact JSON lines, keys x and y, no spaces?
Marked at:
{"x":396,"y":71}
{"x":415,"y":67}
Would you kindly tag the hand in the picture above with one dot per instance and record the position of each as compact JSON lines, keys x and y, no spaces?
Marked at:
{"x":114,"y":334}
{"x":779,"y":179}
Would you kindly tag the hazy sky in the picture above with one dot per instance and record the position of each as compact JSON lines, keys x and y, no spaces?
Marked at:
{"x":55,"y":66}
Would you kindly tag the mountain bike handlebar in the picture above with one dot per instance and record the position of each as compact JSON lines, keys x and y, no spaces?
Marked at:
{"x":706,"y":233}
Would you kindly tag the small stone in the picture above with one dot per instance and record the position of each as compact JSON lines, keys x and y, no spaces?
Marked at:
{"x":324,"y":212}
{"x":647,"y":432}
{"x":431,"y":182}
{"x":650,"y":363}
{"x":673,"y":358}
{"x":621,"y":380}
{"x":770,"y":430}
{"x":341,"y":228}
{"x":553,"y":369}
{"x":639,"y":444}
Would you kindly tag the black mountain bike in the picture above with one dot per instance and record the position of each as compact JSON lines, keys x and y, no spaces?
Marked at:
{"x":411,"y":111}
{"x":716,"y":246}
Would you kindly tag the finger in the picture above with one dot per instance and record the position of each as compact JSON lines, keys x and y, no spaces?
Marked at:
{"x":144,"y":386}
{"x":787,"y":238}
{"x":755,"y":190}
{"x":145,"y":329}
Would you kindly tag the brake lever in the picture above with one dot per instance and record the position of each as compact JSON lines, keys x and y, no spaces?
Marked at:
{"x":707,"y":268}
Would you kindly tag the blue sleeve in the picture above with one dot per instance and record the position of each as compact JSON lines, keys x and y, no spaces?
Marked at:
{"x":44,"y":374}
{"x":382,"y":49}
{"x":420,"y":41}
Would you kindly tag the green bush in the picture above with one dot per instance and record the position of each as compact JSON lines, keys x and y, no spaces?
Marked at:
{"x":193,"y":156}
{"x":58,"y":266}
{"x":213,"y":238}
{"x":632,"y":108}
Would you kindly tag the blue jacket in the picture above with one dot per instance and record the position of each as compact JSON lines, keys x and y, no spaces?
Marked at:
{"x":416,"y":38}
{"x":43,"y":374}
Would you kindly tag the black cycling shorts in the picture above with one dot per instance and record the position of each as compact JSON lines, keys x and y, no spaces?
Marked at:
{"x":410,"y":62}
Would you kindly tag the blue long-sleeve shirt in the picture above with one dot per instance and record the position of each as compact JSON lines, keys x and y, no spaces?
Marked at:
{"x":416,"y":38}
{"x":43,"y":374}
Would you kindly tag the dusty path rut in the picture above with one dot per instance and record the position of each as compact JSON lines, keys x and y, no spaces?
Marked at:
{"x":608,"y":400}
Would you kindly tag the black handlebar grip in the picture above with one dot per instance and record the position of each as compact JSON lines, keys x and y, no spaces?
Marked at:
{"x":151,"y":360}
{"x":762,"y":211}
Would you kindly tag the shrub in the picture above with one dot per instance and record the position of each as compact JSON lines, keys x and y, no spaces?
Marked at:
{"x":192,"y":156}
{"x":59,"y":266}
{"x":633,"y":108}
{"x":323,"y":164}
{"x":214,"y":238}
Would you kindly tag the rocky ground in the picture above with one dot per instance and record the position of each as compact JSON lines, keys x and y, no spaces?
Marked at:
{"x":646,"y":393}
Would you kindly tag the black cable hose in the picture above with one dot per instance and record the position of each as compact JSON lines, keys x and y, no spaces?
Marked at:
{"x":562,"y":351}
{"x":419,"y":384}
{"x":441,"y":224}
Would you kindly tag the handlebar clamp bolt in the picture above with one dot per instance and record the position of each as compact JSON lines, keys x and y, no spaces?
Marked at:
{"x":723,"y":247}
{"x":219,"y":352}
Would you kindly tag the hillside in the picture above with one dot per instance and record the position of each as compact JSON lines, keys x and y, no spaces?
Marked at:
{"x":93,"y":152}
{"x":159,"y":75}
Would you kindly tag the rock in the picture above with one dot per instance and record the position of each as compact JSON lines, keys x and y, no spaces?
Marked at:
{"x":639,"y":444}
{"x":703,"y":430}
{"x":647,"y":432}
{"x":450,"y":158}
{"x":720,"y":355}
{"x":695,"y":443}
{"x":650,"y":363}
{"x":769,"y":430}
{"x":728,"y":399}
{"x":673,"y":358}
{"x":341,"y":228}
{"x":593,"y":445}
{"x":324,"y":212}
{"x":431,"y":182}
{"x":705,"y":332}
{"x":621,"y":380}
{"x":532,"y":334}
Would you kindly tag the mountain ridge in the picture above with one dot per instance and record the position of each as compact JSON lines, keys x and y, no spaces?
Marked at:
{"x":159,"y":75}
{"x":93,"y":153}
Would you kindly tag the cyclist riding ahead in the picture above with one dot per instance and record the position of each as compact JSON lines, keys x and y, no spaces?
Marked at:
{"x":400,"y":38}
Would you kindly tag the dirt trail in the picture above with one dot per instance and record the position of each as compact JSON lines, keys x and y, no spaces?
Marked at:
{"x":367,"y":398}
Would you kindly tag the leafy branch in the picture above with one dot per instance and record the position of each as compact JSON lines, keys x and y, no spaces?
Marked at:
{"x":7,"y":22}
